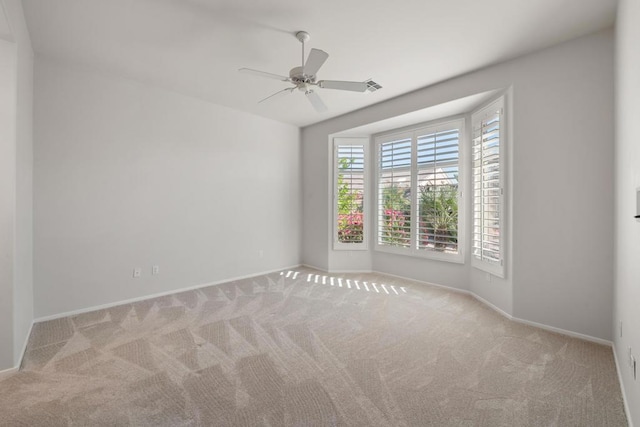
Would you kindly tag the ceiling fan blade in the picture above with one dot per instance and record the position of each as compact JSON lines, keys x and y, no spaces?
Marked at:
{"x":316,"y":101}
{"x":315,"y":60}
{"x":264,"y":74}
{"x":340,"y":85}
{"x":277,"y":94}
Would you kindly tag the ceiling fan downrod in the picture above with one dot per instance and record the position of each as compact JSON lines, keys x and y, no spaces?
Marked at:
{"x":303,"y":37}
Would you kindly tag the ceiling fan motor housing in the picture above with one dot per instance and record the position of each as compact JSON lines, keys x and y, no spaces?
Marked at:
{"x":297,"y":76}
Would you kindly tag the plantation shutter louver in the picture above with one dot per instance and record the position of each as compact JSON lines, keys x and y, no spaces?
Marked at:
{"x":394,"y":193}
{"x":350,"y":193}
{"x":487,"y":186}
{"x":438,"y":168}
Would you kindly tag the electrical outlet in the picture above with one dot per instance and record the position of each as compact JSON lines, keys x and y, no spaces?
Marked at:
{"x":260,"y":253}
{"x":155,"y":269}
{"x":137,"y":272}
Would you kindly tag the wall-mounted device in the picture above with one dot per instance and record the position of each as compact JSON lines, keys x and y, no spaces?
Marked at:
{"x":637,"y":204}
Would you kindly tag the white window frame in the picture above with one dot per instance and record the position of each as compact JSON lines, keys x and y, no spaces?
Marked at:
{"x":414,"y":132}
{"x":364,"y":245}
{"x":499,"y":104}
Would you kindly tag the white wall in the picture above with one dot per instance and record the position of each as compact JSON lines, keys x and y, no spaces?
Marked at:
{"x":16,"y":166}
{"x":563,"y":186}
{"x":627,"y":233}
{"x":316,"y":231}
{"x":560,"y":266}
{"x":128,"y":175}
{"x":23,"y":289}
{"x":7,"y":199}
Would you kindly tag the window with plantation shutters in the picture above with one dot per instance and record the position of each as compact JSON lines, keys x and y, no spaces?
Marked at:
{"x":418,"y":191}
{"x":487,"y":153}
{"x":394,"y":192}
{"x":349,"y":166}
{"x":438,"y":169}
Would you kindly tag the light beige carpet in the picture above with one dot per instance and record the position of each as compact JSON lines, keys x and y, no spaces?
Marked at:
{"x":305,"y":349}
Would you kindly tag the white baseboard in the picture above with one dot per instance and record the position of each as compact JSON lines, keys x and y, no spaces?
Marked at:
{"x":450,"y":288}
{"x":24,"y":345}
{"x":156,"y":295}
{"x":493,"y":307}
{"x":572,"y":334}
{"x":509,"y":316}
{"x":339,"y":271}
{"x":314,"y":267}
{"x":350,"y":271}
{"x":463,"y":291}
{"x":436,"y":285}
{"x":624,"y":395}
{"x":8,"y":372}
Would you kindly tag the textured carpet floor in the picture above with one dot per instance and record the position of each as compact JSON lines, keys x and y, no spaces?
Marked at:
{"x":300,"y":348}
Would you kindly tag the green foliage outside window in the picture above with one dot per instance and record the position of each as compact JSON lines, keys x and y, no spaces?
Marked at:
{"x":396,"y":216}
{"x":350,"y":219}
{"x":438,"y":211}
{"x":439,"y":216}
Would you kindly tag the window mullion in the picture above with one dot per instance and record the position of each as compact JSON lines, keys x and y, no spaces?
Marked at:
{"x":414,"y":192}
{"x":482,"y":206}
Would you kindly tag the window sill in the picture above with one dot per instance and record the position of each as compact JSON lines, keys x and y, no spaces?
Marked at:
{"x":414,"y":253}
{"x":345,"y":247}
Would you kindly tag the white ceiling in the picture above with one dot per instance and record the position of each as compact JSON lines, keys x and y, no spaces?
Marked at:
{"x":195,"y":47}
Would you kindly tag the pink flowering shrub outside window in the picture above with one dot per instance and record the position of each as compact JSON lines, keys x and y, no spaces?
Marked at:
{"x":395,"y":230}
{"x":350,"y":227}
{"x":350,"y":203}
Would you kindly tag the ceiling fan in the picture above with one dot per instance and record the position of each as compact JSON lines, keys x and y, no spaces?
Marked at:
{"x":304,"y":77}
